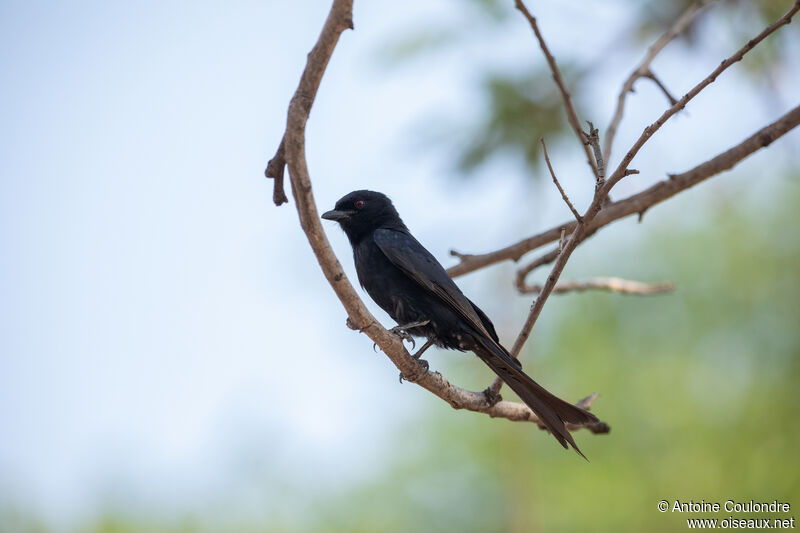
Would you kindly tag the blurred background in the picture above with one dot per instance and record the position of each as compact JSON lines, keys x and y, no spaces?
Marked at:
{"x":172,"y":359}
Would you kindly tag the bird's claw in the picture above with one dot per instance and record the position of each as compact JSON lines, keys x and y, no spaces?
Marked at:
{"x":425,"y":367}
{"x":402,"y":331}
{"x":404,"y":335}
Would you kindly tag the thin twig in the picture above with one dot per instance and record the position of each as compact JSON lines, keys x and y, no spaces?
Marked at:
{"x":558,"y":185}
{"x":549,"y":257}
{"x":593,"y":140}
{"x":649,"y":75}
{"x":558,"y":266}
{"x":572,"y":116}
{"x":677,"y":28}
{"x":274,"y":170}
{"x":359,"y":317}
{"x":619,"y":285}
{"x":522,"y":273}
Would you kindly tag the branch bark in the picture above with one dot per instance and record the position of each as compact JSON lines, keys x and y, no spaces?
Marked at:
{"x":274,"y":170}
{"x":619,"y":285}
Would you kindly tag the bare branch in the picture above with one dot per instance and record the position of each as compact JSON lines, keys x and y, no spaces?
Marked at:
{"x":519,"y":282}
{"x":640,"y":202}
{"x":555,"y":180}
{"x":649,"y":75}
{"x":558,"y":266}
{"x":522,"y":273}
{"x":519,"y":412}
{"x":593,"y":140}
{"x":274,"y":170}
{"x":644,"y":67}
{"x":572,"y":116}
{"x":359,"y":317}
{"x":622,"y":286}
{"x":648,"y":132}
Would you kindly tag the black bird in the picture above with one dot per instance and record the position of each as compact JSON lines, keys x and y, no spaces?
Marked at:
{"x":407,"y":282}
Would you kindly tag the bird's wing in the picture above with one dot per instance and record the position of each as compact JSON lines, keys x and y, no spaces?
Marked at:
{"x":485,"y":321}
{"x":407,"y":254}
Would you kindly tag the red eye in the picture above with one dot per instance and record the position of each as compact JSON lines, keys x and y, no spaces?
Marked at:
{"x":359,"y":204}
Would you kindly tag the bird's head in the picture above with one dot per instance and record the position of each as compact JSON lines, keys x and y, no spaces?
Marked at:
{"x":361,"y":212}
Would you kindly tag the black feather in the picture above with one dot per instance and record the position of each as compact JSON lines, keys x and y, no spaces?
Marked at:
{"x":411,"y":286}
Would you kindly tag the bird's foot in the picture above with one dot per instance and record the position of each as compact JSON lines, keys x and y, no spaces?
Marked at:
{"x":402,"y":331}
{"x":404,"y":335}
{"x":412,"y":379}
{"x":491,"y":396}
{"x":422,"y":362}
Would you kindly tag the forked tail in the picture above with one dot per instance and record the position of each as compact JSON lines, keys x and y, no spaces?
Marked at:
{"x":553,"y":412}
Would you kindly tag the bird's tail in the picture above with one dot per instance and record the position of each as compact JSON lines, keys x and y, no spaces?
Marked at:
{"x":553,"y":412}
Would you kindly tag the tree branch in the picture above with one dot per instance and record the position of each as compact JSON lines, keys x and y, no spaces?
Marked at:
{"x":644,"y":67}
{"x":619,"y":285}
{"x":593,"y":140}
{"x":602,"y":189}
{"x":359,"y":317}
{"x":671,"y":99}
{"x":522,"y":273}
{"x":564,"y":254}
{"x":274,"y":170}
{"x":558,"y":185}
{"x":572,"y":116}
{"x":640,"y":202}
{"x":648,"y":132}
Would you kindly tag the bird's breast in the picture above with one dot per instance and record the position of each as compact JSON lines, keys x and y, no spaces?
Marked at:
{"x":388,"y":286}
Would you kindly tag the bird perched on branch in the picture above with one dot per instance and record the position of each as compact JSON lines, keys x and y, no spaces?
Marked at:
{"x":407,"y":282}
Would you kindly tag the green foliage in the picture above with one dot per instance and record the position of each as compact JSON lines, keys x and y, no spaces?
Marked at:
{"x":521,"y":110}
{"x":420,"y":41}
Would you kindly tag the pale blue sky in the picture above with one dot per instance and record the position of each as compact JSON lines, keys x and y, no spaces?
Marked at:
{"x":155,"y":306}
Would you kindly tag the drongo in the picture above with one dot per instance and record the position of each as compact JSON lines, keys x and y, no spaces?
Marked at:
{"x":407,"y":282}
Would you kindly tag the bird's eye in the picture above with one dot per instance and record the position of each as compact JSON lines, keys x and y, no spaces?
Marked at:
{"x":359,"y":204}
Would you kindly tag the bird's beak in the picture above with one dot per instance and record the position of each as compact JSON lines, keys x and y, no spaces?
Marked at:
{"x":337,"y":215}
